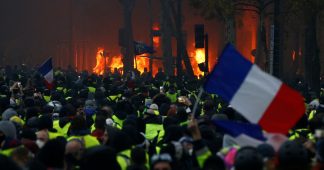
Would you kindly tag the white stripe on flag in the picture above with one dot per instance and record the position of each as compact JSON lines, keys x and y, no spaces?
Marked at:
{"x":49,"y":76}
{"x":241,"y":140}
{"x":255,"y":94}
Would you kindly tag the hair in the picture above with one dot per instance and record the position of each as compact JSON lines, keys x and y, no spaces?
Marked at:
{"x":78,"y":123}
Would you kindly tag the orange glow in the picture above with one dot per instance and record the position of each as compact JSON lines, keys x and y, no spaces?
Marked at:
{"x":246,"y":34}
{"x":252,"y":59}
{"x":197,"y":56}
{"x":156,"y":27}
{"x":293,"y":55}
{"x":156,"y":39}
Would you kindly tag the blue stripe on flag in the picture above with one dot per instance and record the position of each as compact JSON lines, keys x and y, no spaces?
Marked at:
{"x":235,"y":129}
{"x":46,"y":67}
{"x":229,"y":73}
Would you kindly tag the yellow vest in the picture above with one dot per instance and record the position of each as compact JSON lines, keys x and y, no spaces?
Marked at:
{"x":53,"y":135}
{"x":47,"y":98}
{"x":118,"y":121}
{"x":64,"y":130}
{"x":172,"y":97}
{"x":7,"y":152}
{"x":151,"y":131}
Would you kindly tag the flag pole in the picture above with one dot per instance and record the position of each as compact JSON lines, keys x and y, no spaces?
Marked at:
{"x":201,"y":90}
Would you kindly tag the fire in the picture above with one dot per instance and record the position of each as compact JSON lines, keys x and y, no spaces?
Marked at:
{"x":106,"y":62}
{"x":112,"y":62}
{"x":141,"y":62}
{"x":197,"y":56}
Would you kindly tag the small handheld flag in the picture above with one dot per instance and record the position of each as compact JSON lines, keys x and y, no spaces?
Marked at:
{"x":46,"y":69}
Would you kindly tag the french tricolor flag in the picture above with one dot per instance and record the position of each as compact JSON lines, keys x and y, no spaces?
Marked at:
{"x":46,"y":69}
{"x":258,"y":96}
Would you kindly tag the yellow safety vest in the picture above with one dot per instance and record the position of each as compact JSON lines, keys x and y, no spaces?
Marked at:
{"x":7,"y":152}
{"x":172,"y":97}
{"x":47,"y":98}
{"x":53,"y":135}
{"x":151,"y":131}
{"x":118,"y":121}
{"x":64,"y":130}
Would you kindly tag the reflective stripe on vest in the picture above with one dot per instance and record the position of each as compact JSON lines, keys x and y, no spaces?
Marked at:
{"x":92,"y":89}
{"x":118,"y":121}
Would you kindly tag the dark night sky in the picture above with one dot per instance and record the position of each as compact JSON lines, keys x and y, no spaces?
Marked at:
{"x":32,"y":30}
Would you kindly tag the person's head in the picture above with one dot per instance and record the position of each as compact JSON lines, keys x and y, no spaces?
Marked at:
{"x":292,"y":155}
{"x":78,"y":123}
{"x":214,"y":163}
{"x":99,"y":157}
{"x":248,"y":158}
{"x":45,"y":122}
{"x":21,"y":156}
{"x":161,"y":162}
{"x":138,"y":156}
{"x":100,"y":122}
{"x":73,"y":151}
{"x":42,"y":138}
{"x":68,"y":110}
{"x":52,"y":154}
{"x":7,"y":130}
{"x":8,"y":113}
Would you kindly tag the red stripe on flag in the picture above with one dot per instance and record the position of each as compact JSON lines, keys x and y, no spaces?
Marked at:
{"x":48,"y":85}
{"x":284,"y":111}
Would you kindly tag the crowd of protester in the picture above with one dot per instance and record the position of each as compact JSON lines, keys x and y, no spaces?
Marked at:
{"x":135,"y":122}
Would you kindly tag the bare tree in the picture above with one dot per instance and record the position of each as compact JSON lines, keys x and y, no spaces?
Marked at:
{"x":309,"y":11}
{"x":128,"y":51}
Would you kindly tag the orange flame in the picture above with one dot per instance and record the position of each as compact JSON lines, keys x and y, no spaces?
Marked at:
{"x":197,"y":56}
{"x":106,"y":62}
{"x":141,"y":62}
{"x":112,"y":62}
